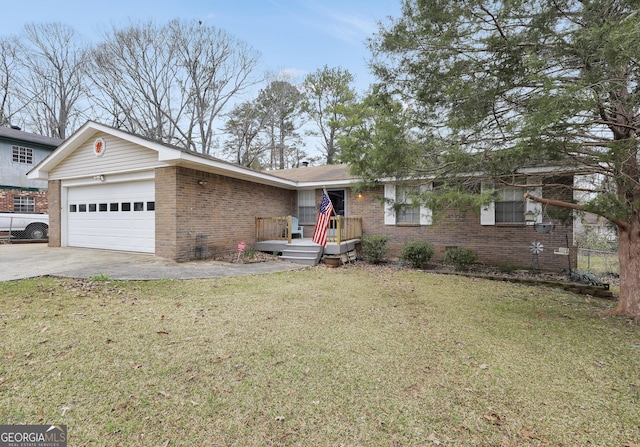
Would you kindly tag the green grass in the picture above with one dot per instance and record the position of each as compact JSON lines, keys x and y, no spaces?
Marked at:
{"x":321,"y":357}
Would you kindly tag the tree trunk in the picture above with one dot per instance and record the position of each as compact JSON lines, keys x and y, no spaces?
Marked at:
{"x":629,"y":258}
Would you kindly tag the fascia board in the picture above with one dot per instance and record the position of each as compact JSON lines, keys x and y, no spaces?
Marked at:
{"x":41,"y":170}
{"x":228,"y":169}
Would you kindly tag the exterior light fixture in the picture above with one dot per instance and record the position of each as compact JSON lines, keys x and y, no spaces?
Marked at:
{"x":99,"y":178}
{"x":202,"y":182}
{"x":529,"y":217}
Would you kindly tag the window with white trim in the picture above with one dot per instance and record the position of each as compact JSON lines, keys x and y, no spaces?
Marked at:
{"x":22,"y":155}
{"x":400,"y":208}
{"x":510,"y":205}
{"x":406,"y":211}
{"x":307,"y":211}
{"x":24,"y":204}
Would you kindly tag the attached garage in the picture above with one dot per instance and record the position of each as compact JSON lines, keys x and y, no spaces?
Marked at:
{"x":119,"y":216}
{"x":113,"y":190}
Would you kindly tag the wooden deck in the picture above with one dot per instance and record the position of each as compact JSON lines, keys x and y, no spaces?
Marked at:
{"x":332,"y":248}
{"x":274,"y":235}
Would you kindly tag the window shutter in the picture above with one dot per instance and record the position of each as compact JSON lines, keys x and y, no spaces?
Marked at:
{"x":488,"y":211}
{"x":529,"y":204}
{"x":389,"y":212}
{"x":426,"y":215}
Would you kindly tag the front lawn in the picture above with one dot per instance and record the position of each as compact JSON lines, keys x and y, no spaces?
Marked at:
{"x":354,"y":356}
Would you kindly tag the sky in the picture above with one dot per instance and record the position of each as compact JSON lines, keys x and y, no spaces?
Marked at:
{"x":297,"y":36}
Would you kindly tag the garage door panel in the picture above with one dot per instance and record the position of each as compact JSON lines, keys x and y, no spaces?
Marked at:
{"x":117,"y":216}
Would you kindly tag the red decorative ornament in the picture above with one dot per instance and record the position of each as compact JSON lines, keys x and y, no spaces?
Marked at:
{"x":99,"y":147}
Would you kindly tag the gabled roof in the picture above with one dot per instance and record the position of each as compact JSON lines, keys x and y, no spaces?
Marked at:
{"x":328,"y":175}
{"x":177,"y":156}
{"x":17,"y":135}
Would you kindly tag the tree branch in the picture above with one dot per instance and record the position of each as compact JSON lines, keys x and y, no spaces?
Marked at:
{"x":573,"y":206}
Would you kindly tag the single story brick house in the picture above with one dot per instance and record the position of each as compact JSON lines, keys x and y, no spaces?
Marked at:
{"x":110,"y":189}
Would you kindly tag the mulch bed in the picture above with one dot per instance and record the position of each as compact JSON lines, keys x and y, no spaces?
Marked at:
{"x":556,"y":280}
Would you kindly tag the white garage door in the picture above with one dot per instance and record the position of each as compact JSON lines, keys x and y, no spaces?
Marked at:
{"x":119,"y":216}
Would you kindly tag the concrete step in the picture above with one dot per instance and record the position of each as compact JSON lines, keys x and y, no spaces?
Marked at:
{"x":300,"y":260}
{"x":300,"y":254}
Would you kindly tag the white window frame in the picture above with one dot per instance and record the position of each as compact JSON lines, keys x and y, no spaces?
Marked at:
{"x":390,"y":218}
{"x":22,"y":155}
{"x":24,"y":204}
{"x":488,"y":211}
{"x":307,"y":202}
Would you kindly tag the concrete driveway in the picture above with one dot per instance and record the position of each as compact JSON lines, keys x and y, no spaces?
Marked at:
{"x":18,"y":261}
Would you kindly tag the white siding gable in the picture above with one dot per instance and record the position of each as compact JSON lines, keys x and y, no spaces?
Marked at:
{"x":119,"y":156}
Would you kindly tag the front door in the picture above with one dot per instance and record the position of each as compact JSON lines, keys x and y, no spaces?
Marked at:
{"x":338,"y":200}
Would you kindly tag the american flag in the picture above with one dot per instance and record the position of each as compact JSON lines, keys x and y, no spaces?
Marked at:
{"x":324,"y":213}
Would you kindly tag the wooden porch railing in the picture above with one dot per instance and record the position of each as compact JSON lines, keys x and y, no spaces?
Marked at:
{"x":341,"y":229}
{"x":273,"y":228}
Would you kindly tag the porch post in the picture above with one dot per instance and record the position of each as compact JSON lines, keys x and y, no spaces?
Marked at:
{"x":289,"y":228}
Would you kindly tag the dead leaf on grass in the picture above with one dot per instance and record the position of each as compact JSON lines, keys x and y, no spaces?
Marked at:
{"x":433,"y":438}
{"x":162,"y":332}
{"x":494,"y":419}
{"x":44,"y":329}
{"x":287,"y":434}
{"x":528,"y":434}
{"x":220,"y":358}
{"x":135,"y":365}
{"x":631,"y":444}
{"x":8,"y":356}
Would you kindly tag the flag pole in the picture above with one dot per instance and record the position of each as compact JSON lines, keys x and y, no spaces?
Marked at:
{"x":324,"y":191}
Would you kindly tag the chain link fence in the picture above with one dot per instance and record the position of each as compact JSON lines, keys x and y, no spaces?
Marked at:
{"x":598,"y":262}
{"x":35,"y":231}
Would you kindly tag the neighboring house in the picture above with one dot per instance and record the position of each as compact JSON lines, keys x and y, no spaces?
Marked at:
{"x":110,"y":189}
{"x":19,"y":153}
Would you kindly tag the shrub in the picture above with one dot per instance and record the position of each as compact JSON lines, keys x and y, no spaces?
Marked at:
{"x":461,"y":258}
{"x":418,"y":253}
{"x":374,"y":248}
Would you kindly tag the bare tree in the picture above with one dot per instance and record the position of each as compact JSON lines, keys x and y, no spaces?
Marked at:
{"x":170,"y":83}
{"x":215,"y":67}
{"x":136,"y":76}
{"x":52,"y":78}
{"x":9,"y":68}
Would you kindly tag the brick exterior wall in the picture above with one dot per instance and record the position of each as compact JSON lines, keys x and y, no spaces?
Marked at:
{"x":40,"y":196}
{"x":223,"y":210}
{"x":55,"y":210}
{"x":501,"y":245}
